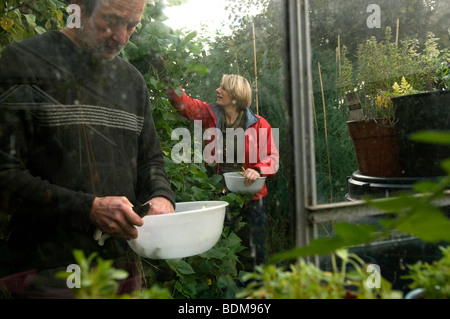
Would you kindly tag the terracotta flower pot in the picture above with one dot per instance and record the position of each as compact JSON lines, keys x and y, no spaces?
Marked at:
{"x":376,"y":147}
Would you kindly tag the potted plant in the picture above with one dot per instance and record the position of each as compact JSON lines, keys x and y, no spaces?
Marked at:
{"x":375,"y":141}
{"x":394,"y":84}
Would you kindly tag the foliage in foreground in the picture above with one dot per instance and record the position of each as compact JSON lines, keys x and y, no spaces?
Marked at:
{"x":303,"y":280}
{"x":99,"y":280}
{"x":433,"y":278}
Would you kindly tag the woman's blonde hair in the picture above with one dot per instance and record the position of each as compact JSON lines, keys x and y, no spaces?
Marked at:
{"x":239,"y":90}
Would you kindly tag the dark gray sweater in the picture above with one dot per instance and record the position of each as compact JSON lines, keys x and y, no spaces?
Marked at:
{"x":72,"y":127}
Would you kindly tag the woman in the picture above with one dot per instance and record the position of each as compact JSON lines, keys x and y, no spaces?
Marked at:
{"x":256,"y":156}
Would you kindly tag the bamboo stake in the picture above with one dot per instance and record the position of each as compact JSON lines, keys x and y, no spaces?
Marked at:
{"x":316,"y":123}
{"x":256,"y":68}
{"x":315,"y":115}
{"x":326,"y":134}
{"x":338,"y":57}
{"x":398,"y":32}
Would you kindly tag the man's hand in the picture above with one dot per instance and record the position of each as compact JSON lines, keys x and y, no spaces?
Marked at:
{"x":115,"y":217}
{"x":160,"y":206}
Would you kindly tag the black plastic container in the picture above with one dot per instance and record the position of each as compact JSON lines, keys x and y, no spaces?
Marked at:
{"x":422,"y":112}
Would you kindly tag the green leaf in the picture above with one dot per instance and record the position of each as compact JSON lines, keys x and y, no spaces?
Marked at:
{"x":393,"y":205}
{"x":17,"y":33}
{"x":355,"y":234}
{"x":432,"y":137}
{"x":346,"y":235}
{"x":6,"y":23}
{"x":234,"y":239}
{"x":180,"y":267}
{"x":215,"y":179}
{"x":190,"y":36}
{"x":39,"y":30}
{"x":189,"y":288}
{"x":427,"y":223}
{"x":31,"y":18}
{"x":426,"y":187}
{"x":179,"y":91}
{"x":197,"y":68}
{"x":446,"y":166}
{"x":178,"y":286}
{"x":224,"y":281}
{"x":214,"y":253}
{"x":119,"y":274}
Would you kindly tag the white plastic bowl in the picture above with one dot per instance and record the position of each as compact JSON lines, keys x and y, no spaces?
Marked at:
{"x":193,"y":229}
{"x":235,"y":183}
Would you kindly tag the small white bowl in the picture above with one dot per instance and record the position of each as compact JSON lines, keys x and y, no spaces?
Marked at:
{"x":193,"y":229}
{"x":235,"y":183}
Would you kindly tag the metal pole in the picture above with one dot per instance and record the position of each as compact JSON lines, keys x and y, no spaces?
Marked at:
{"x":256,"y":68}
{"x":301,"y":113}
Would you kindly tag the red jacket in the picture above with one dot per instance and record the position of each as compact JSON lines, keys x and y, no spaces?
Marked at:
{"x":262,"y":155}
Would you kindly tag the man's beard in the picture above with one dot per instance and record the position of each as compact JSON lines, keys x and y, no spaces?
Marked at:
{"x":109,"y":47}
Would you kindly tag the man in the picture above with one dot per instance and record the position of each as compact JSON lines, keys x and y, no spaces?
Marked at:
{"x":78,"y":145}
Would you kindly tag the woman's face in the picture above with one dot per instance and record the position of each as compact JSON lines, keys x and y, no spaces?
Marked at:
{"x":223,"y":97}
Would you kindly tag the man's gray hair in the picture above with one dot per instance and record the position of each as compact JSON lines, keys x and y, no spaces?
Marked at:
{"x":87,"y":5}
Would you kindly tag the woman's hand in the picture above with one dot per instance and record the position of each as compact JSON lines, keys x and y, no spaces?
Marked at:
{"x":172,"y":96}
{"x":250,"y":176}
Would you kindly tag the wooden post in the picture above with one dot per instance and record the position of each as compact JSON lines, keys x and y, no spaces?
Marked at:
{"x":354,"y":106}
{"x":256,"y":68}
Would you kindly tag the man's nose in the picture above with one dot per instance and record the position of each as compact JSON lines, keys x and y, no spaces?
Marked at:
{"x":120,"y":35}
